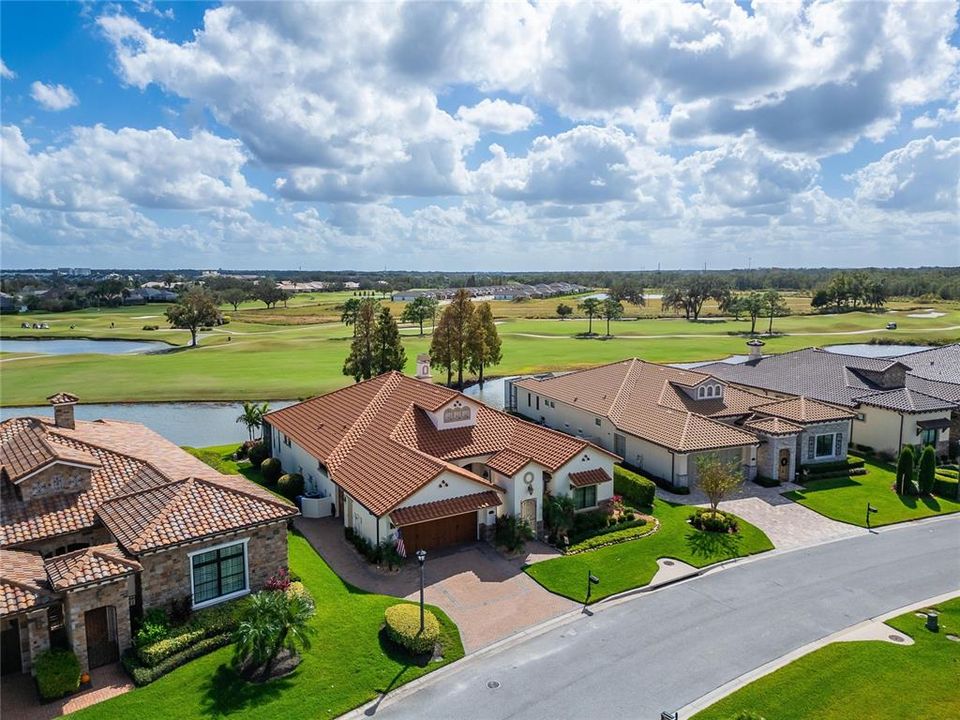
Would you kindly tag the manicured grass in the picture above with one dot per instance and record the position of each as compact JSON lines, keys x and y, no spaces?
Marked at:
{"x":845,"y":499}
{"x":868,"y":679}
{"x":633,"y":564}
{"x":285,"y":354}
{"x":348,"y":664}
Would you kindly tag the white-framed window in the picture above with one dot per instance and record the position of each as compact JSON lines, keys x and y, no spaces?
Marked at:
{"x":219,"y":573}
{"x":701,"y":392}
{"x":825,"y":445}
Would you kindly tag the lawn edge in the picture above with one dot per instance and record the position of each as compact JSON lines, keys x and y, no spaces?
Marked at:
{"x":873,"y":526}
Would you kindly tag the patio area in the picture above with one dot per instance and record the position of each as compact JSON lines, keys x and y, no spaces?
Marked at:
{"x":19,"y":699}
{"x":487,"y":594}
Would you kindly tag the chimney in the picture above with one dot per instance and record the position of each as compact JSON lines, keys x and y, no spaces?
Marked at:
{"x":755,"y":345}
{"x":63,"y":409}
{"x":423,"y":368}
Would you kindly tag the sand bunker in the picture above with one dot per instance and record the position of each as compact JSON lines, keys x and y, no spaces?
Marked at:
{"x":927,"y":313}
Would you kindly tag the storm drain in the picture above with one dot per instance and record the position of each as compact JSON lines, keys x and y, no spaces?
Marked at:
{"x":895,"y":638}
{"x":493,"y":684}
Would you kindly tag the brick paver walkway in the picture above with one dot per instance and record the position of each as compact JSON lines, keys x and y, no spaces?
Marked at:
{"x":786,"y":523}
{"x":486,"y":594}
{"x":19,"y":700}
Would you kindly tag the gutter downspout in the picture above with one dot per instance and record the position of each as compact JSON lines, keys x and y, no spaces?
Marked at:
{"x":673,"y":471}
{"x":900,"y":439}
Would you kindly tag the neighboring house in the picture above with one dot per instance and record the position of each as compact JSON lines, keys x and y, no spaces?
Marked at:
{"x":661,"y":419}
{"x":909,"y":400}
{"x":398,"y":452}
{"x":105,"y":520}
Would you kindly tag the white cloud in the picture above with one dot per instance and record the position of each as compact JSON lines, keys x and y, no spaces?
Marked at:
{"x":5,"y":72}
{"x":497,"y":116}
{"x":922,"y":176}
{"x":98,"y":169}
{"x":53,"y":97}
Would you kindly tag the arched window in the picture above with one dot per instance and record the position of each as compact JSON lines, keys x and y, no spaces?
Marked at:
{"x":701,"y":392}
{"x":709,"y":391}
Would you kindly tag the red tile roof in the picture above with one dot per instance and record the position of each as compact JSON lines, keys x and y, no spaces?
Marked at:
{"x":589,"y":477}
{"x":62,"y":398}
{"x":26,"y":450}
{"x":449,"y":507}
{"x":23,"y":582}
{"x":380,"y":446}
{"x":90,"y":565}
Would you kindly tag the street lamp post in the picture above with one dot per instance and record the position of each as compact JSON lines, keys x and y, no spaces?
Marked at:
{"x":421,"y":556}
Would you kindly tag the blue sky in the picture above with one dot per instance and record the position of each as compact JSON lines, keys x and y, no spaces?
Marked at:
{"x":489,"y":137}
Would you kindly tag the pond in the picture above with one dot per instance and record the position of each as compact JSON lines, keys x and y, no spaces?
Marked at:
{"x":191,"y":423}
{"x":76,"y":347}
{"x":492,"y":393}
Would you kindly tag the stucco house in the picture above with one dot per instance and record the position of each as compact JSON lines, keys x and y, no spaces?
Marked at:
{"x":912,"y":399}
{"x":104,"y":520}
{"x":399,"y":452}
{"x":661,"y":419}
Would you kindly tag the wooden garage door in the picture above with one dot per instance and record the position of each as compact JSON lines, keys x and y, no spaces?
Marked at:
{"x":440,"y":533}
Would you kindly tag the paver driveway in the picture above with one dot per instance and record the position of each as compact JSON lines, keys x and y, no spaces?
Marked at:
{"x":487,"y":595}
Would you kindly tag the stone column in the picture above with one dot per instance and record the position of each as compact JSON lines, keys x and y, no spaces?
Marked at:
{"x":38,"y":637}
{"x":749,"y":459}
{"x":680,"y":473}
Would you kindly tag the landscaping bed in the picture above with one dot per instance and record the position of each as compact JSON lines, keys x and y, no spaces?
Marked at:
{"x":864,"y":679}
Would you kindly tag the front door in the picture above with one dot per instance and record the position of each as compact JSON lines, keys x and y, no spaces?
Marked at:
{"x":101,"y":636}
{"x":783,"y":465}
{"x":528,"y":512}
{"x":10,"y":646}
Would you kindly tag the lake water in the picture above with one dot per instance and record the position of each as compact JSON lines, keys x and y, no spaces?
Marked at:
{"x":192,"y":423}
{"x":75,"y":347}
{"x":492,"y":393}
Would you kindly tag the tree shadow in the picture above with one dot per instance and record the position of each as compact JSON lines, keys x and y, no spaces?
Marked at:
{"x":226,"y":692}
{"x":401,"y":655}
{"x":702,"y":543}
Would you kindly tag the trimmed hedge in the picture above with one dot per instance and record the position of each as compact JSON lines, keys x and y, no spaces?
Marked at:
{"x":820,"y":469}
{"x":143,"y":675}
{"x":204,"y":624}
{"x":271,"y":470}
{"x":58,"y":673}
{"x":290,"y":485}
{"x":637,"y":490}
{"x":403,"y":628}
{"x":257,"y":453}
{"x":710,"y":521}
{"x":617,"y":534}
{"x":946,"y":487}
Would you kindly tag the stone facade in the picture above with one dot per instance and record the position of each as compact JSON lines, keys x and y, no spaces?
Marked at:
{"x":166,"y":575}
{"x":807,"y":439}
{"x":58,"y":545}
{"x":36,"y":637}
{"x":113,"y":594}
{"x":768,"y":458}
{"x":54,"y":480}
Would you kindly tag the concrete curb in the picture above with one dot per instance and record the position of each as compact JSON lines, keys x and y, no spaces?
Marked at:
{"x":702,"y":703}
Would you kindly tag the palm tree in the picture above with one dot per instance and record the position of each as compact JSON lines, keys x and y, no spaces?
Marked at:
{"x":252,"y":417}
{"x":274,"y":620}
{"x":591,"y":306}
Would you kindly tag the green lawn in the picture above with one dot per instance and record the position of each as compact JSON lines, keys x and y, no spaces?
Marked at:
{"x":348,"y":664}
{"x":845,"y":499}
{"x":869,"y":679}
{"x":633,"y":564}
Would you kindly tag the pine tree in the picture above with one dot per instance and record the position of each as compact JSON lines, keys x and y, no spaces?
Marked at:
{"x":928,"y":470}
{"x":484,"y":341}
{"x":456,"y":330}
{"x":359,"y":363}
{"x":388,"y":351}
{"x":905,"y":471}
{"x":441,"y":351}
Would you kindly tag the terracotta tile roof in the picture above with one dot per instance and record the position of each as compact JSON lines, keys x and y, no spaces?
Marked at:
{"x":589,"y":477}
{"x":412,"y":514}
{"x":25,"y":450}
{"x":186,"y":510}
{"x":23,"y":582}
{"x":802,"y":410}
{"x":90,"y":565}
{"x":507,"y":462}
{"x":772,"y":426}
{"x":905,"y":400}
{"x":380,"y":446}
{"x":62,"y":398}
{"x":643,"y":399}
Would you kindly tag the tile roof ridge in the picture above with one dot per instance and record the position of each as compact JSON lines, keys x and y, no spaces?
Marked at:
{"x":28,"y":588}
{"x":907,"y":391}
{"x":124,"y":496}
{"x":119,"y":557}
{"x":336,"y":391}
{"x":240,"y":491}
{"x":352,"y":436}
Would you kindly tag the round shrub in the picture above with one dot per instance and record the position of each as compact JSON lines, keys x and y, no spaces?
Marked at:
{"x":257,"y":453}
{"x":298,"y":589}
{"x":290,"y":485}
{"x":271,"y":470}
{"x":719,"y":521}
{"x":58,"y":673}
{"x":403,"y":628}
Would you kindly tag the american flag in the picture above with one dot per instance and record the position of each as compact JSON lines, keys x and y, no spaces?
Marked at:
{"x":401,"y":548}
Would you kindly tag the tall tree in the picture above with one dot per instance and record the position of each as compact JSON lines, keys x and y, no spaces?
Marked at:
{"x":441,"y":347}
{"x":905,"y":471}
{"x":775,"y":306}
{"x":196,"y":308}
{"x":564,"y":311}
{"x":612,"y":310}
{"x":927,"y":473}
{"x":234,"y":296}
{"x":388,"y":351}
{"x":717,"y":478}
{"x":591,"y":306}
{"x":484,"y":341}
{"x":359,"y":363}
{"x":673,"y":299}
{"x":419,"y":310}
{"x":753,"y":304}
{"x":628,"y":290}
{"x":252,"y":417}
{"x":456,"y":318}
{"x":349,"y":312}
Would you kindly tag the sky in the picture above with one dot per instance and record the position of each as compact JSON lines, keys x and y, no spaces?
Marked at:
{"x":501,"y":136}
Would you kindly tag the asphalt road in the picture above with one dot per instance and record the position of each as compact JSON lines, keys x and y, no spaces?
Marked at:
{"x":665,"y":649}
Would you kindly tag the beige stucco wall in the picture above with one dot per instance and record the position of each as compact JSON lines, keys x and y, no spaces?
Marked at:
{"x":881,"y":428}
{"x":166,"y":575}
